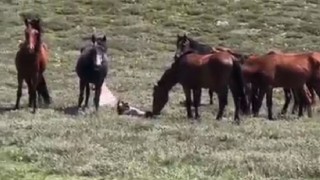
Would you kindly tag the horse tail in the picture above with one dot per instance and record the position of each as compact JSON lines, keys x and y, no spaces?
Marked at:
{"x":240,"y":83}
{"x":43,"y":90}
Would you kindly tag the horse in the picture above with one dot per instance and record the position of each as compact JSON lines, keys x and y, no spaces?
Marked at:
{"x":216,"y":71}
{"x":92,"y":67}
{"x":185,"y":43}
{"x":289,"y":93}
{"x":31,"y":61}
{"x":286,"y":70}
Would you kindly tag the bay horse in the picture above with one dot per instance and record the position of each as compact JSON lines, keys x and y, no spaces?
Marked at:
{"x":31,"y":61}
{"x":216,"y":71}
{"x":92,"y":67}
{"x":286,"y":70}
{"x":185,"y":43}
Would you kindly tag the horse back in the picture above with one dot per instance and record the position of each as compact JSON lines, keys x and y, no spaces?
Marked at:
{"x":283,"y":69}
{"x":207,"y":71}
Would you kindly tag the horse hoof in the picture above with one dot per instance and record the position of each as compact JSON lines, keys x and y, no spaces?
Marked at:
{"x":149,"y":114}
{"x":271,"y":118}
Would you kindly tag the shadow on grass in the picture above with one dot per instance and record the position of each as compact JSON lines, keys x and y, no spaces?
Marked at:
{"x":72,"y":110}
{"x":4,"y":109}
{"x":182,"y":103}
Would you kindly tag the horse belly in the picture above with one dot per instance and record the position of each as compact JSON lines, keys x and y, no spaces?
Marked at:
{"x":214,"y":78}
{"x":290,"y":77}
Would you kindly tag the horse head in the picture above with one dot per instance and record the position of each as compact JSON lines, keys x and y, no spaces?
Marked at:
{"x":100,"y":50}
{"x":32,"y":34}
{"x":182,"y":45}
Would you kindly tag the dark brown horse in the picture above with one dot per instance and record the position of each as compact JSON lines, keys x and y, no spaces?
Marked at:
{"x":193,"y":71}
{"x":185,"y":43}
{"x":289,"y":71}
{"x":31,"y":61}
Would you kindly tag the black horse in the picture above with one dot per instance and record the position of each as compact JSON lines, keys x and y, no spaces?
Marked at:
{"x":92,"y":67}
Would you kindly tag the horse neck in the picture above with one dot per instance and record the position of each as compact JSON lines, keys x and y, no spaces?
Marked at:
{"x":39,"y":43}
{"x":201,"y":48}
{"x":169,"y":78}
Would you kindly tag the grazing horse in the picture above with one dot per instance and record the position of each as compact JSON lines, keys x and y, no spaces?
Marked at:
{"x":289,"y":71}
{"x":92,"y":67}
{"x":185,"y":43}
{"x":193,"y":71}
{"x":31,"y":61}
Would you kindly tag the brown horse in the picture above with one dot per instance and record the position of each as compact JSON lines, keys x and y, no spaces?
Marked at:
{"x":289,"y":93}
{"x":289,"y":71}
{"x":185,"y":43}
{"x":193,"y":71}
{"x":31,"y":61}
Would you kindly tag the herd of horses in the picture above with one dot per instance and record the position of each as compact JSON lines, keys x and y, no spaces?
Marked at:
{"x":195,"y":66}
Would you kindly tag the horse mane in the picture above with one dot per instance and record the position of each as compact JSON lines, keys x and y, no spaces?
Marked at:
{"x":169,"y":77}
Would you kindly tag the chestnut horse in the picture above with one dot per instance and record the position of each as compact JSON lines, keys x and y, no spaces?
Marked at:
{"x":289,"y":71}
{"x":289,"y":93}
{"x":216,"y":71}
{"x":31,"y":61}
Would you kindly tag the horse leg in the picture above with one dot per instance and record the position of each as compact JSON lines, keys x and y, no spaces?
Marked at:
{"x":237,"y":102}
{"x":223,"y":99}
{"x":269,"y":103}
{"x":87,"y":87}
{"x":312,"y":93}
{"x":96,"y":98}
{"x":34,"y":84}
{"x":42,"y":90}
{"x":254,"y":99}
{"x":287,"y":96}
{"x":19,"y":91}
{"x":210,"y":92}
{"x":196,"y":101}
{"x":306,"y":100}
{"x":30,"y":103}
{"x":296,"y":101}
{"x":248,"y":94}
{"x":257,"y":102}
{"x":82,"y":86}
{"x":187,"y":93}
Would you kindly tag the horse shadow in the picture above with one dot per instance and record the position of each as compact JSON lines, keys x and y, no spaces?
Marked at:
{"x":71,"y":110}
{"x":4,"y":109}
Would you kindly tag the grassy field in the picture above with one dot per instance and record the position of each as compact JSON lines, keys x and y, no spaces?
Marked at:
{"x":54,"y":144}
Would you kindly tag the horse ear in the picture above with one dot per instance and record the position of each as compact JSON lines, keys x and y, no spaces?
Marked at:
{"x":104,"y":38}
{"x":93,"y":38}
{"x":185,"y":35}
{"x":26,"y":21}
{"x":37,"y":21}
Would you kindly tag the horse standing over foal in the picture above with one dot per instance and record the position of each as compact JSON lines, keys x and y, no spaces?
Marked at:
{"x":31,"y":61}
{"x":216,"y":71}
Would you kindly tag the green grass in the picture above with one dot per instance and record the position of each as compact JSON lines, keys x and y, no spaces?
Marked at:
{"x":141,"y":36}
